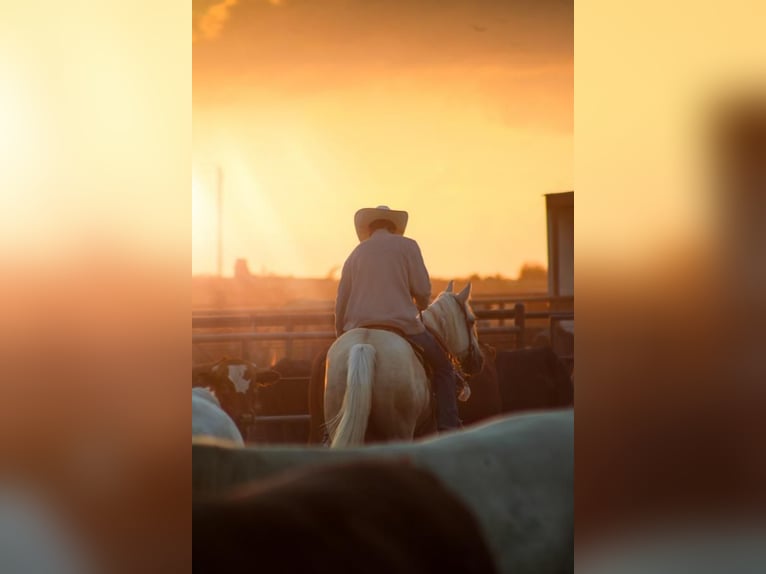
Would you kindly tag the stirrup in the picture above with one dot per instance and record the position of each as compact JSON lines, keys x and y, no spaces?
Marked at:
{"x":464,"y":389}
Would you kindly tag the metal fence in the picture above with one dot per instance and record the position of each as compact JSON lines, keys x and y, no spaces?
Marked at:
{"x":503,"y":323}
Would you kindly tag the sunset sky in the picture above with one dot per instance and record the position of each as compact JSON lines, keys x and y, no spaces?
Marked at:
{"x":457,"y":111}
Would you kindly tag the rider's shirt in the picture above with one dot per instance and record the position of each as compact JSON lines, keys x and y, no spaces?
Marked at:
{"x":384,"y":282}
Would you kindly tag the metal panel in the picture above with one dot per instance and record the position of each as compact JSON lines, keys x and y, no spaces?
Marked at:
{"x":560,"y":218}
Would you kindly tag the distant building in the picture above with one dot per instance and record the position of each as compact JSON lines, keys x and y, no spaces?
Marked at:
{"x":241,"y":270}
{"x":560,"y":211}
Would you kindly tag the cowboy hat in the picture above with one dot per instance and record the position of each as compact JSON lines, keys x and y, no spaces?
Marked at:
{"x":367,"y":215}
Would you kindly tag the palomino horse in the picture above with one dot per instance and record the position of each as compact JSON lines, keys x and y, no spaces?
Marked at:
{"x":376,"y":387}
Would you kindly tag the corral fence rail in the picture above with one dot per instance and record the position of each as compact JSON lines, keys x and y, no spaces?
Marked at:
{"x":502,"y":319}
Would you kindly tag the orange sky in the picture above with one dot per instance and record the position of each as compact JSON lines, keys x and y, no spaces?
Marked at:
{"x":459,"y":112}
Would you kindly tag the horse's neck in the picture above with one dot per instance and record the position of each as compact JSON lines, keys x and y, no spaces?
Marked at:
{"x":432,"y":322}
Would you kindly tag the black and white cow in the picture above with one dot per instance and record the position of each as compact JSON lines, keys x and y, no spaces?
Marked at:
{"x":235,"y":383}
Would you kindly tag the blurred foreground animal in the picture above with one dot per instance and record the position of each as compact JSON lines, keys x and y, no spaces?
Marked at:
{"x":369,"y":516}
{"x":515,"y":474}
{"x":210,"y":420}
{"x":34,"y":539}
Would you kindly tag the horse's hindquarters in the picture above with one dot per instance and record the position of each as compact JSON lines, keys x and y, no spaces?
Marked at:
{"x":400,"y":390}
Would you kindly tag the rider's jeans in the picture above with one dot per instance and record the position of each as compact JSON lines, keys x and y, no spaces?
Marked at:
{"x":444,"y":380}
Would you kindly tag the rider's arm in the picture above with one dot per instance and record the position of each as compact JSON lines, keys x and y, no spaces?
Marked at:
{"x":420,"y":282}
{"x":344,"y":291}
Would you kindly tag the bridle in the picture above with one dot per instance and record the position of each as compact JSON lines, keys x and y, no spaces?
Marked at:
{"x":454,"y":359}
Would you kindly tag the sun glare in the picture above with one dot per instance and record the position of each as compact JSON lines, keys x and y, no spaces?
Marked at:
{"x":196,"y":201}
{"x":203,"y":222}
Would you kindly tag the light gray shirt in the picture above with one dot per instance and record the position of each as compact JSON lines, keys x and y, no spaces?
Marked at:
{"x":384,"y":282}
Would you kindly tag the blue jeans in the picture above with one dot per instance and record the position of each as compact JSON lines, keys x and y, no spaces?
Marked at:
{"x":444,"y":380}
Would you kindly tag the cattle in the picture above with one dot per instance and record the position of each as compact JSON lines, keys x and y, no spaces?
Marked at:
{"x":235,"y":383}
{"x":231,"y":375}
{"x":366,"y":516}
{"x":532,"y":379}
{"x":518,"y":380}
{"x":485,"y":401}
{"x":210,"y":420}
{"x":514,"y":473}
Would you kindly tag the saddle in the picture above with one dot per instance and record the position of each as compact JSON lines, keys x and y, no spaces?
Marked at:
{"x":462,"y":388}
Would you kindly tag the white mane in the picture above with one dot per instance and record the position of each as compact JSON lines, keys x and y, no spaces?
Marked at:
{"x":445,"y":317}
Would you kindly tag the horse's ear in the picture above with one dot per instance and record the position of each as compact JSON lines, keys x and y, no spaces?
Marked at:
{"x":465,"y":293}
{"x":449,"y":287}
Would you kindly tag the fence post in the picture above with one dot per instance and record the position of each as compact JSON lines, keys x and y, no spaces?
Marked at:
{"x":289,"y":343}
{"x":245,"y":345}
{"x":519,"y":320}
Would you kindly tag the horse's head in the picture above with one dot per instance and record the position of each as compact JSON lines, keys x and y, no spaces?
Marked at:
{"x":456,"y":325}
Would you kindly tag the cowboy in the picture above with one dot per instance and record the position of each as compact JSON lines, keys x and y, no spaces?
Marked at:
{"x":385,"y":284}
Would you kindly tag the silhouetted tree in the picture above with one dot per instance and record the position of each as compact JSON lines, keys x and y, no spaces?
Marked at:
{"x":533,"y":272}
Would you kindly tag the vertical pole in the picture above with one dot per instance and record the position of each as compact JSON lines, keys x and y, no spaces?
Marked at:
{"x":289,"y":342}
{"x":520,"y":321}
{"x":219,"y":189}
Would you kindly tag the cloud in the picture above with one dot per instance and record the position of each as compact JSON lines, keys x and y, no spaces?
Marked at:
{"x":209,"y":24}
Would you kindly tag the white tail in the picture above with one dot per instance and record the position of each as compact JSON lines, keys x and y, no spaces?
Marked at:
{"x":350,"y":424}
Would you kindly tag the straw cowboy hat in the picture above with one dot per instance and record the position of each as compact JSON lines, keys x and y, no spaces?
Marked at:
{"x":367,"y":215}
